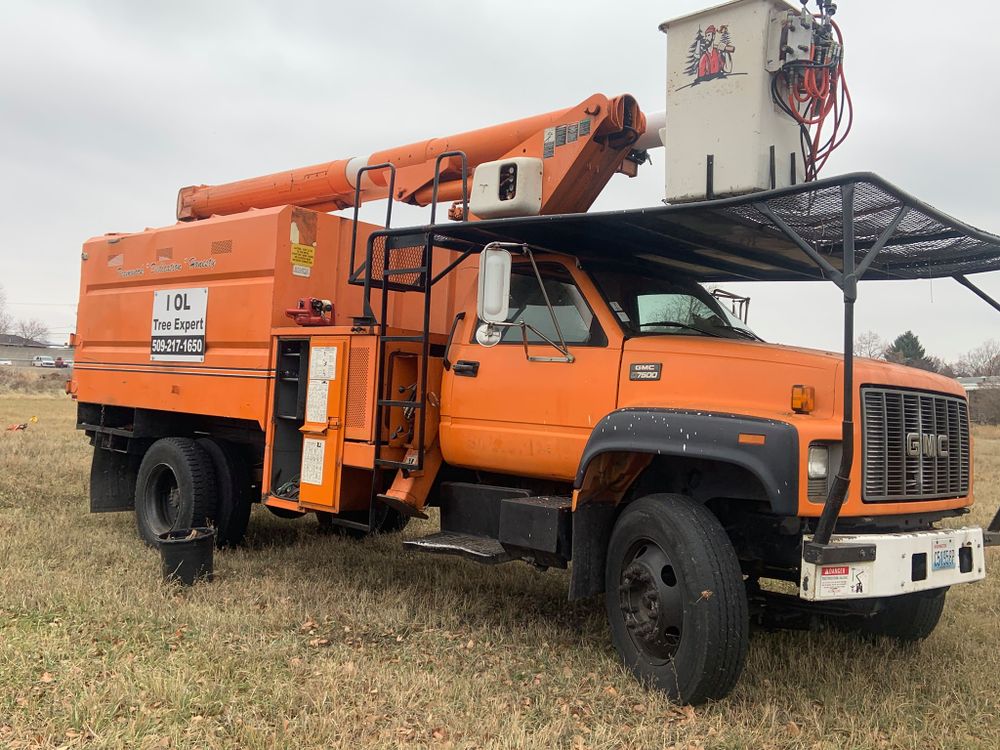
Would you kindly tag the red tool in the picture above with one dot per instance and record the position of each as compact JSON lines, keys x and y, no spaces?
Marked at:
{"x":312,"y":312}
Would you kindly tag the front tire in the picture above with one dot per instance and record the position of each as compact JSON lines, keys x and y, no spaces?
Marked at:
{"x":675,"y":598}
{"x":175,"y":488}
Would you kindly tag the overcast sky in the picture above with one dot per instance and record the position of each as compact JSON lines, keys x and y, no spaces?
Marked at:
{"x":107,"y":108}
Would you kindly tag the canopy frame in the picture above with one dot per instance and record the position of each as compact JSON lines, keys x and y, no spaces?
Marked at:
{"x":762,"y":232}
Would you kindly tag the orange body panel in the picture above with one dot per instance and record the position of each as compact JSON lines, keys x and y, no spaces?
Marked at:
{"x":534,"y":418}
{"x":246,"y":263}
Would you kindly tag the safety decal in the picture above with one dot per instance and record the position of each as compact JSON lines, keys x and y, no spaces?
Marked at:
{"x":303,"y":258}
{"x":313,"y":455}
{"x":560,"y":135}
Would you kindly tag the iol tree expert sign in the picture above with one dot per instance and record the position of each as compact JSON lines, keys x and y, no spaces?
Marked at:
{"x":178,"y":333}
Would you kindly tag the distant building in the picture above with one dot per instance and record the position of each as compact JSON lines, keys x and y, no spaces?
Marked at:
{"x":980,"y":381}
{"x":9,"y":339}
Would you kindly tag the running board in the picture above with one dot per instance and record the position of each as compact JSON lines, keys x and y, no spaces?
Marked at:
{"x":479,"y":548}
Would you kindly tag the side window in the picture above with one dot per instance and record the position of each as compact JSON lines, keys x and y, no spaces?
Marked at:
{"x":576,"y":321}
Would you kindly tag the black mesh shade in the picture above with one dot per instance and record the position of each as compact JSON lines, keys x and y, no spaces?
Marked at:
{"x":733,"y":239}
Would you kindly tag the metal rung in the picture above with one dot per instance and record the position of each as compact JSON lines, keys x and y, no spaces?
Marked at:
{"x":401,"y":404}
{"x":389,"y":463}
{"x":414,"y":339}
{"x":403,"y":271}
{"x":344,"y":523}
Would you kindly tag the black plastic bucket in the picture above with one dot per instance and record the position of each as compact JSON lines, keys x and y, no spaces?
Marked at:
{"x":187,"y":555}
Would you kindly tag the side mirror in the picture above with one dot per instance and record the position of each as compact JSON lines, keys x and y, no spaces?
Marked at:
{"x":494,"y":285}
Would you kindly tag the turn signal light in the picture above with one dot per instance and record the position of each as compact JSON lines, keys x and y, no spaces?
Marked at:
{"x":803,"y":399}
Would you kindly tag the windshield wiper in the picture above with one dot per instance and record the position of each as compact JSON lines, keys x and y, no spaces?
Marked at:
{"x":744,"y":332}
{"x":675,"y":324}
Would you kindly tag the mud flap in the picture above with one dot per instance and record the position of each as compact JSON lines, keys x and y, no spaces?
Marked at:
{"x":112,"y":481}
{"x":592,"y":525}
{"x":991,"y":534}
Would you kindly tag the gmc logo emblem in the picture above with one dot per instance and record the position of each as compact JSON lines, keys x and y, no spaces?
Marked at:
{"x":918,"y":443}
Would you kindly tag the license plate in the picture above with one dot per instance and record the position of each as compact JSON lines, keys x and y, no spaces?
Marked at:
{"x":943,"y":555}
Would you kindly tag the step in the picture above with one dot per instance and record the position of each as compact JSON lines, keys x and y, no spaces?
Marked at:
{"x":479,"y":548}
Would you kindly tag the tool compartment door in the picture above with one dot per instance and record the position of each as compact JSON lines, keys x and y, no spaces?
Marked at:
{"x":323,"y":432}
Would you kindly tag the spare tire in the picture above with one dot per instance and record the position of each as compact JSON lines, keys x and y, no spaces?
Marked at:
{"x":175,"y":488}
{"x":232,"y":487}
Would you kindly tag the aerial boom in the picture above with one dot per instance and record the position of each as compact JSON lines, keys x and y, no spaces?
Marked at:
{"x":581,"y":147}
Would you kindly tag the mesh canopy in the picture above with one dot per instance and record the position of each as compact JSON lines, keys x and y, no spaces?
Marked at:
{"x":734,"y":239}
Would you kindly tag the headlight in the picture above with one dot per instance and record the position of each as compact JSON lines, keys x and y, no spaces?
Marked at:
{"x":819,"y":461}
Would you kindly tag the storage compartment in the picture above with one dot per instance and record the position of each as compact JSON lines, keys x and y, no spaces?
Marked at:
{"x":291,"y":380}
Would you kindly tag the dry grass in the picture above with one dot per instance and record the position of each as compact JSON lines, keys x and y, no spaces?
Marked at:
{"x":39,"y":381}
{"x":312,"y":641}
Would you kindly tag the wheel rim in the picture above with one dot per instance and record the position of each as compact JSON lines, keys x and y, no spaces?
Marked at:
{"x":163,"y":498}
{"x":651,"y":601}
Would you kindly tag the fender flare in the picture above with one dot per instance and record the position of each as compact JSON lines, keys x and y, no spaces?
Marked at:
{"x":705,"y":435}
{"x":684,"y":434}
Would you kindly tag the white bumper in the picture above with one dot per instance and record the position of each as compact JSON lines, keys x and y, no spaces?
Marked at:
{"x":903,"y":563}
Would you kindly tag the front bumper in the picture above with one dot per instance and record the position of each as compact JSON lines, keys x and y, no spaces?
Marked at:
{"x":894,"y":564}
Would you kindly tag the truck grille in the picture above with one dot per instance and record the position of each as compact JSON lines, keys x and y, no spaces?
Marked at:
{"x":915,"y":445}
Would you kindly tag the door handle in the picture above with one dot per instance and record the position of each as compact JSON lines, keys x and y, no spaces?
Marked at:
{"x":465,"y":368}
{"x":446,"y":363}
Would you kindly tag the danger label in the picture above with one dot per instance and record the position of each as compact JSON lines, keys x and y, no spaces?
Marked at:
{"x":178,"y":330}
{"x":842,"y":580}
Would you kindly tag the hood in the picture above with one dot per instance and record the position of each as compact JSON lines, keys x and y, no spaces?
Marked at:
{"x":747,"y":377}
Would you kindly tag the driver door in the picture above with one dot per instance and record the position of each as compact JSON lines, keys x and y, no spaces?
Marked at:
{"x":500,"y":411}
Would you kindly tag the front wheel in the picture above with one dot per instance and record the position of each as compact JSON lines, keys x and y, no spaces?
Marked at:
{"x":675,"y":598}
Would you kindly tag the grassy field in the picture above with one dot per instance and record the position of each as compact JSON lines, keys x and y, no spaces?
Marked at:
{"x":312,"y":641}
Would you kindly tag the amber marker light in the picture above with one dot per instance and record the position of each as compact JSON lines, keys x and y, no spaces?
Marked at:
{"x":803,"y":399}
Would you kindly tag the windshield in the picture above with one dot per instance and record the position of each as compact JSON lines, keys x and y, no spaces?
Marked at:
{"x":652,"y":305}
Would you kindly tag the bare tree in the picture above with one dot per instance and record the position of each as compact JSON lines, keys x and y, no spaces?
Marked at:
{"x":870,"y":344}
{"x":32,"y":329}
{"x":983,"y":360}
{"x":6,"y":322}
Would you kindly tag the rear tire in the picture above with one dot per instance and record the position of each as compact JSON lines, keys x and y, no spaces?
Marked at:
{"x":675,"y":598}
{"x":175,"y":488}
{"x":907,"y":618}
{"x":232,"y":485}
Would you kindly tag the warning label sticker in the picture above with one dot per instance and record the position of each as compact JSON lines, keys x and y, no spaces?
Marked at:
{"x":313,"y":455}
{"x":317,"y":401}
{"x":842,"y":580}
{"x":303,"y":255}
{"x":560,"y":135}
{"x":303,"y":258}
{"x":323,"y":363}
{"x":178,"y":328}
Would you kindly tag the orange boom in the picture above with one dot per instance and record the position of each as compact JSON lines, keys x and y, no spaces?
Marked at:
{"x":574,"y":175}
